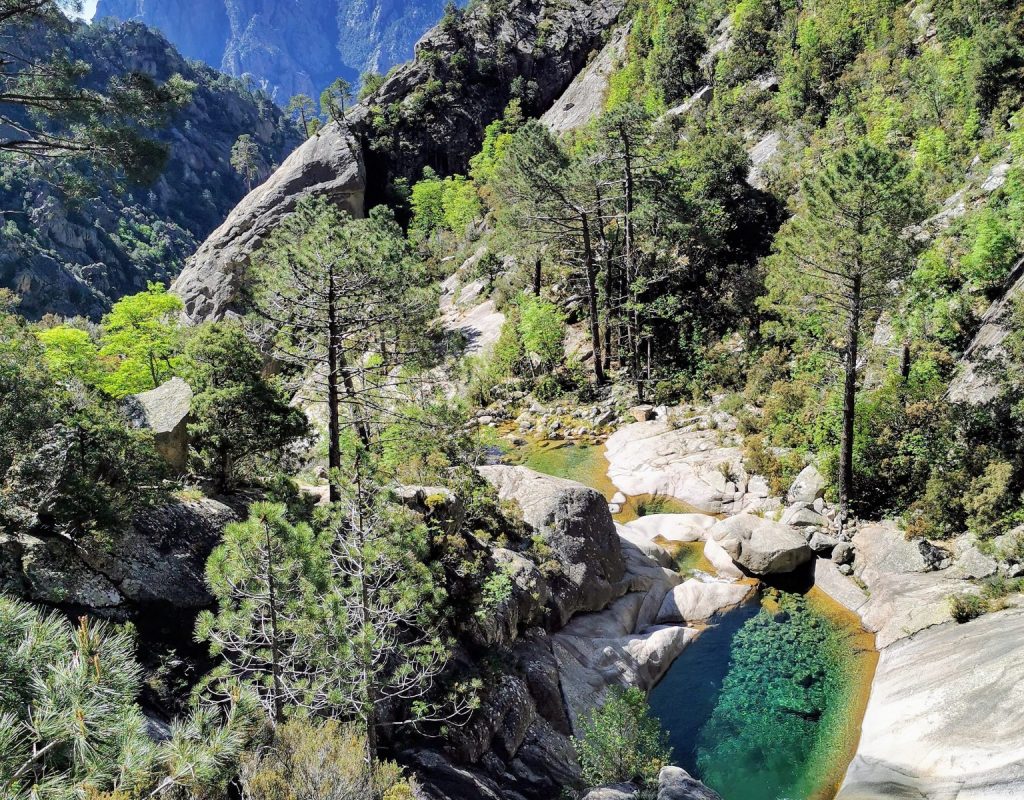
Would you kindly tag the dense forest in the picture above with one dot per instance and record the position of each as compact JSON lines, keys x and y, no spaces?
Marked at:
{"x":795,"y":213}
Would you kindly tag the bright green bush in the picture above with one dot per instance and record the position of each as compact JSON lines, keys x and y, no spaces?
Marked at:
{"x":621,"y":741}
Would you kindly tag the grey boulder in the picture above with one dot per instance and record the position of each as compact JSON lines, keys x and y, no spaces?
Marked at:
{"x":573,"y":520}
{"x":700,"y":601}
{"x":808,"y":486}
{"x":328,"y":164}
{"x":164,"y":411}
{"x":760,"y":546}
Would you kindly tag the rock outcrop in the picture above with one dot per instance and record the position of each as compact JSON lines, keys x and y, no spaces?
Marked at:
{"x":328,"y":164}
{"x":413,"y":120}
{"x":974,"y":382}
{"x":433,"y":110}
{"x":164,"y":411}
{"x":601,"y":606}
{"x":946,"y":715}
{"x":906,"y":595}
{"x":573,"y":521}
{"x":688,"y":461}
{"x":586,"y":95}
{"x":159,"y":560}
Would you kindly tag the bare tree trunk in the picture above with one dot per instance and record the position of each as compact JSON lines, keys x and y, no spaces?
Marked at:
{"x":275,"y":644}
{"x":595,"y":325}
{"x":358,"y":421}
{"x":849,"y":400}
{"x":536,"y":277}
{"x":369,"y":685}
{"x":334,"y":357}
{"x":630,"y":262}
{"x":609,"y":279}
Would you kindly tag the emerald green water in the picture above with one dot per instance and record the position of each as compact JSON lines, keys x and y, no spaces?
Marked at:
{"x":766,"y":705}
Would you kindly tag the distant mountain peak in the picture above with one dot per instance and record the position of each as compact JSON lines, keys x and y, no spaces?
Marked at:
{"x":287,"y":47}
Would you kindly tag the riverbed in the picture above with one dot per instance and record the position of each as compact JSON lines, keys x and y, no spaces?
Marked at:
{"x":767,"y":703}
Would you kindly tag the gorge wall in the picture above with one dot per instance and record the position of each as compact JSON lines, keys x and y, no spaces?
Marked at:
{"x":431,"y":112}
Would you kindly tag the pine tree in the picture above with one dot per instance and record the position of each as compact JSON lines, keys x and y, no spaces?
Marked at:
{"x":268,"y":577}
{"x":840,"y":257}
{"x":70,"y":724}
{"x":552,"y":197}
{"x":344,"y":303}
{"x":238,"y":415}
{"x":389,"y":605}
{"x":50,"y":113}
{"x":245,"y":159}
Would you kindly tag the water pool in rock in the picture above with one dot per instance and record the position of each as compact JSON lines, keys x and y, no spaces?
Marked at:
{"x":586,"y":464}
{"x":767,"y":704}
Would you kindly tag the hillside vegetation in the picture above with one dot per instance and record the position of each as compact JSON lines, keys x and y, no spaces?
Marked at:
{"x":795,"y":214}
{"x":892,"y":134}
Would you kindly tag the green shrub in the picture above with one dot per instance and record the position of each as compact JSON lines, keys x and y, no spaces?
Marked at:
{"x":547,"y":388}
{"x":621,"y":741}
{"x":319,"y":759}
{"x":965,"y":607}
{"x":542,"y":330}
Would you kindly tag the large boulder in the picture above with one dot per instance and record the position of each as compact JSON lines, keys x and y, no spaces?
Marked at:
{"x":329,"y":164}
{"x":573,"y":521}
{"x":760,"y":546}
{"x":672,"y":527}
{"x":701,"y":601}
{"x":165,"y":412}
{"x":675,"y":783}
{"x":159,"y":560}
{"x":946,"y":715}
{"x":808,"y":486}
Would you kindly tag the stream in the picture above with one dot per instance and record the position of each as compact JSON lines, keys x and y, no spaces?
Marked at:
{"x":767,"y":703}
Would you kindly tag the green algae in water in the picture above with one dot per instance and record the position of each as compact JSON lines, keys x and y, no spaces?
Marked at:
{"x":582,"y":463}
{"x":586,"y":464}
{"x":782,"y":709}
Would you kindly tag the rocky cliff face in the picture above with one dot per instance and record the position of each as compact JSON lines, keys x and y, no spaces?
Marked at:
{"x":300,"y":46}
{"x":430,"y":112}
{"x":433,"y":110}
{"x":75,"y":256}
{"x":328,"y":164}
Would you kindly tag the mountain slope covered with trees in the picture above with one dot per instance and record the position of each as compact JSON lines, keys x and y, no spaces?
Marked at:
{"x":287,"y":49}
{"x":77,"y":239}
{"x":777,"y":236}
